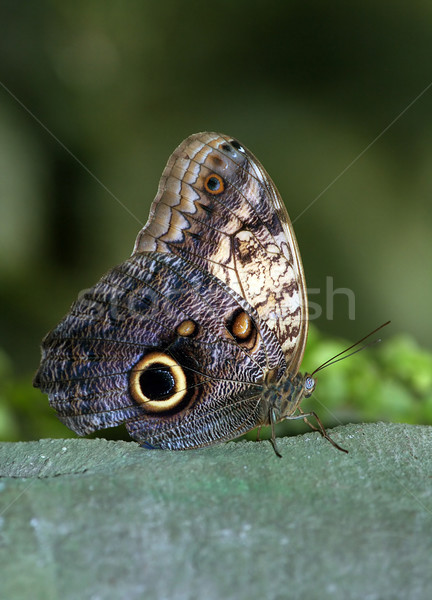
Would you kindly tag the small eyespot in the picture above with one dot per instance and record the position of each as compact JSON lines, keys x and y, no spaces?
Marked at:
{"x":158,"y":383}
{"x":242,"y":328}
{"x":186,"y":328}
{"x":237,"y":146}
{"x":226,"y":147}
{"x":214,"y":184}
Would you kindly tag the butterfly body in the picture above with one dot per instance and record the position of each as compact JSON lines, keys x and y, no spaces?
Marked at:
{"x":199,"y":335}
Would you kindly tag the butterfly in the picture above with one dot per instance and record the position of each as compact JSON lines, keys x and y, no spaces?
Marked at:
{"x":198,"y":337}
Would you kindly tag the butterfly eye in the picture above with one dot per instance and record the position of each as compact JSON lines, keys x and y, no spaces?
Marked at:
{"x":158,"y":382}
{"x":214,"y":184}
{"x":309,"y":384}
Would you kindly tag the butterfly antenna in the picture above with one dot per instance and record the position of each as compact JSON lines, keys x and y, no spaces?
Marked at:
{"x":339,"y":357}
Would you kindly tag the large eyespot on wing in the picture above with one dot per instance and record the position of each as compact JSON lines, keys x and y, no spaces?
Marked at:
{"x":217,"y":206}
{"x":158,"y":382}
{"x":153,"y":345}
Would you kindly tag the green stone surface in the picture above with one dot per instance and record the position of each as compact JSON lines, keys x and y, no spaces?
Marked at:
{"x":100,"y":519}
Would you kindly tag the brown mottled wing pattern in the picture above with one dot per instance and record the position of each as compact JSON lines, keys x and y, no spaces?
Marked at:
{"x":133,"y":310}
{"x":243,"y":236}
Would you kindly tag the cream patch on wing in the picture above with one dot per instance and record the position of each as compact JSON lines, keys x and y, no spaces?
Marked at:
{"x":269,"y":284}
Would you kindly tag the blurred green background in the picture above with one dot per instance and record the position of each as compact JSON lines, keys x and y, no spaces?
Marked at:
{"x":110,"y":89}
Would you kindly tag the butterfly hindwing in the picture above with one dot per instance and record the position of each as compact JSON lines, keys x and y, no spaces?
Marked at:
{"x":137,"y":310}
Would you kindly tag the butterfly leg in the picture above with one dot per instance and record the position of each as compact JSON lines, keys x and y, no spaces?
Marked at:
{"x":321,"y":429}
{"x":272,"y":419}
{"x":258,"y":433}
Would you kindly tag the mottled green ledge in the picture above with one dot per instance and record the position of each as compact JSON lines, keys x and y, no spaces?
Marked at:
{"x":102,"y":519}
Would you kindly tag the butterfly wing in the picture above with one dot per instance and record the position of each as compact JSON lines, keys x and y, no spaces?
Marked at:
{"x":155,"y":344}
{"x":179,"y":341}
{"x":240,"y":232}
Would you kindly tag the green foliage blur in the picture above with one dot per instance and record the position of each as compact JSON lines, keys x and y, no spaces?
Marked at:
{"x":333,"y":98}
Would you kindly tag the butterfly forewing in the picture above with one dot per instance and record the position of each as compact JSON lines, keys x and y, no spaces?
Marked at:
{"x":242,"y":235}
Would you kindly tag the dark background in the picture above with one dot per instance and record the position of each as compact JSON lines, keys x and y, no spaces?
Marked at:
{"x":97,"y":95}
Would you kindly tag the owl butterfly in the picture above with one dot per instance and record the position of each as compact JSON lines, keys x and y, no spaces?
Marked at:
{"x":198,"y":337}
